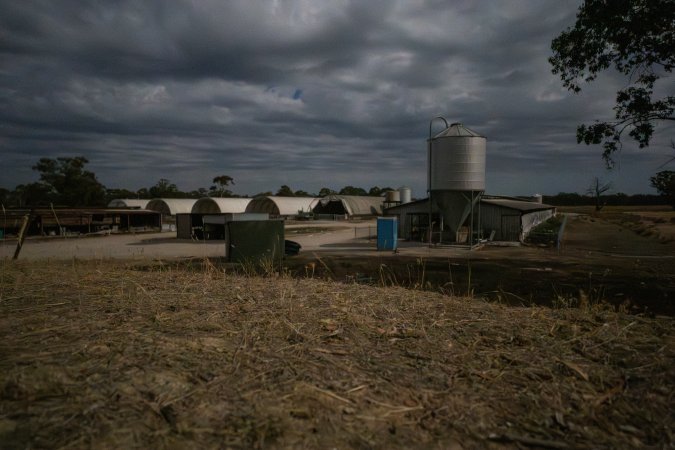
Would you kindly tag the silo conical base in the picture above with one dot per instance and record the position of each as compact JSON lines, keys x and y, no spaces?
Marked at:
{"x":456,"y":209}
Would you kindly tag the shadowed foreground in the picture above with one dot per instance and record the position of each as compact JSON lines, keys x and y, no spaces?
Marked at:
{"x":112,"y":354}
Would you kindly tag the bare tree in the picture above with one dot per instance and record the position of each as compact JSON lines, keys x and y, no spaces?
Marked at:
{"x":596,"y":189}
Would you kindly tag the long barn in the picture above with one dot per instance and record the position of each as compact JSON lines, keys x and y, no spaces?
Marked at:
{"x":501,"y":219}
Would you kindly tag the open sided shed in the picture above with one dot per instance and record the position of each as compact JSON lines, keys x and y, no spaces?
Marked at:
{"x":282,"y":206}
{"x":218,"y":205}
{"x":350,"y":205}
{"x":169,"y":208}
{"x":135,"y":203}
{"x":63,"y":221}
{"x":512,"y":220}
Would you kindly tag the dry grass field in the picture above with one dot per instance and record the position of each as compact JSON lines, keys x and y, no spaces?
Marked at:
{"x":115,"y":354}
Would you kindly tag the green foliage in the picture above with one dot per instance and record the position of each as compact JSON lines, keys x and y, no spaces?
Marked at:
{"x":5,"y":196}
{"x":285,"y":191}
{"x":67,"y":183}
{"x":326,"y":191}
{"x":376,"y":191}
{"x":351,"y":190}
{"x":31,"y":194}
{"x":111,"y":194}
{"x":664,"y":183}
{"x":202,"y":192}
{"x":221,"y":182}
{"x":635,"y":38}
{"x":546,"y":232}
{"x":165,"y":189}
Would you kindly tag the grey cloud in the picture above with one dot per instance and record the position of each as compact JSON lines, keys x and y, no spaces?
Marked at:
{"x":189,"y":90}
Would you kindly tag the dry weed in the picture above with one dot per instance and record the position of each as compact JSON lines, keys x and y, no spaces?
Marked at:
{"x":114,"y":355}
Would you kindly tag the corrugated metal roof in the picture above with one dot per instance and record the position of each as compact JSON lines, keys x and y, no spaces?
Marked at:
{"x":503,"y":202}
{"x":356,"y":205}
{"x":457,"y":130}
{"x":128,"y":203}
{"x":171,"y":206}
{"x":216,"y":205}
{"x":408,"y":205}
{"x":516,"y":204}
{"x":281,"y":206}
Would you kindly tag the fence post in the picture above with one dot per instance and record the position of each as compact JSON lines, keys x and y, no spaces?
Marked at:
{"x":561,"y":230}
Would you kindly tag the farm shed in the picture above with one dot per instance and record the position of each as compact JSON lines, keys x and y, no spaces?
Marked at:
{"x":413,"y":219}
{"x":136,"y":203}
{"x":47,"y":221}
{"x":282,"y":206}
{"x":219,"y":205}
{"x":169,"y":207}
{"x":186,"y":224}
{"x":349,"y":205}
{"x":512,"y":220}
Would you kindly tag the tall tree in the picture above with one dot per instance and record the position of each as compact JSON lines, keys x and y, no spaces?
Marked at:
{"x":31,"y":194}
{"x":113,"y":193}
{"x":635,"y":38}
{"x":351,"y":190}
{"x":69,"y":183}
{"x":143,"y":193}
{"x":164,"y":188}
{"x":326,"y":191}
{"x":5,"y":197}
{"x":285,"y":191}
{"x":221,"y":184}
{"x":377,"y":191}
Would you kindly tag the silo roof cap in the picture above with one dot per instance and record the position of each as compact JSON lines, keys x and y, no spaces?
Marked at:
{"x":457,"y":130}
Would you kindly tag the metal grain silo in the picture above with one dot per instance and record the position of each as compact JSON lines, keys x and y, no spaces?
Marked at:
{"x":456,"y":178}
{"x":405,"y":193}
{"x":392,"y":197}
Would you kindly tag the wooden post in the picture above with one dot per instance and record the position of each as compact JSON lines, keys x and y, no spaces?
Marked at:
{"x":22,"y":235}
{"x":58,"y":224}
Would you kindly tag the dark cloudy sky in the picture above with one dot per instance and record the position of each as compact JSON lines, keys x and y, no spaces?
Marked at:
{"x":306,"y":93}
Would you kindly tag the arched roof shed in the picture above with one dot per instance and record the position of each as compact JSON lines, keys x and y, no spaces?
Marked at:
{"x":281,"y":206}
{"x":220,"y":205}
{"x":352,"y":205}
{"x":171,"y":206}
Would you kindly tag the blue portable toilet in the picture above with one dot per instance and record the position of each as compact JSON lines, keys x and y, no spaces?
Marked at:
{"x":387,"y":233}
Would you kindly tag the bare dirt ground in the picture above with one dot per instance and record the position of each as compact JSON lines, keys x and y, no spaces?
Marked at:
{"x":166,"y":245}
{"x":150,"y":342}
{"x":146,"y":354}
{"x":622,"y":256}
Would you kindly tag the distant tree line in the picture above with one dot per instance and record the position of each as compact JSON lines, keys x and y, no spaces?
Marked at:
{"x":65,"y":182}
{"x":618,"y":199}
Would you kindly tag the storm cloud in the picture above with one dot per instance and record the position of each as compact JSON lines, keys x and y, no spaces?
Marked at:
{"x":304,"y":93}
